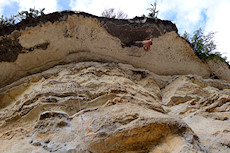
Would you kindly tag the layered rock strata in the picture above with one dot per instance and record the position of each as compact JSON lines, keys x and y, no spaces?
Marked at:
{"x":68,"y":84}
{"x":124,"y":109}
{"x":34,"y":45}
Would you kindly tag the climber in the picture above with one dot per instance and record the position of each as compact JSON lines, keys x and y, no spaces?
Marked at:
{"x":145,"y":44}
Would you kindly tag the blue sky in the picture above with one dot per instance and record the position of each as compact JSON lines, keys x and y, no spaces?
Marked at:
{"x":188,"y":15}
{"x":64,"y":4}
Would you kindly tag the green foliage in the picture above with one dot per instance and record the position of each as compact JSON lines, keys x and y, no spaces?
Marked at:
{"x":186,"y":36}
{"x":203,"y":45}
{"x":4,"y":21}
{"x":153,"y":11}
{"x":32,"y":13}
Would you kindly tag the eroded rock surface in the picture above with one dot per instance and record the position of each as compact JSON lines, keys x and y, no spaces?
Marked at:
{"x":34,"y":45}
{"x":124,"y":109}
{"x":68,"y":86}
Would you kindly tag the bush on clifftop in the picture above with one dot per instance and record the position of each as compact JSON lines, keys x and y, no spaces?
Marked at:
{"x":203,"y":45}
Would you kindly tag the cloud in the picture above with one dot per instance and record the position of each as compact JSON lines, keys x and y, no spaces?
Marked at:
{"x":219,"y":23}
{"x":131,"y":7}
{"x":3,"y":3}
{"x":49,"y":5}
{"x":190,"y":15}
{"x":10,"y":10}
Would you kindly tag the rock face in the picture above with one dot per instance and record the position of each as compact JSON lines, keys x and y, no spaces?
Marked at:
{"x":68,"y":86}
{"x":38,"y":44}
{"x":124,"y":109}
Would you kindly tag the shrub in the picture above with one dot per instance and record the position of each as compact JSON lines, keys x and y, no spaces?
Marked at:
{"x":153,"y":11}
{"x":203,"y":45}
{"x":32,"y":13}
{"x":112,"y":13}
{"x":4,"y":21}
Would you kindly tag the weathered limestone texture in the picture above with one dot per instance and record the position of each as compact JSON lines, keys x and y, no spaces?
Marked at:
{"x":131,"y":101}
{"x":123,"y":109}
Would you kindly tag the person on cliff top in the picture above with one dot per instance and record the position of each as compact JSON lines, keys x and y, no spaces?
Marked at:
{"x":145,"y":44}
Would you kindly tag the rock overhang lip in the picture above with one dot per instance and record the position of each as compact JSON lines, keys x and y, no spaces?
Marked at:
{"x":112,"y":28}
{"x":58,"y":16}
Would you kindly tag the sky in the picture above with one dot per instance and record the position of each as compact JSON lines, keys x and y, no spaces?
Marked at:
{"x":188,"y":15}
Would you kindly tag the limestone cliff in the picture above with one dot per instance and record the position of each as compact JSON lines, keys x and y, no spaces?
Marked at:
{"x":130,"y":100}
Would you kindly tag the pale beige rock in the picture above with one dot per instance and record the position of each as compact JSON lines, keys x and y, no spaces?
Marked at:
{"x":184,"y":89}
{"x":122,"y":112}
{"x":83,"y":38}
{"x":219,"y":68}
{"x":208,"y":116}
{"x":132,"y":101}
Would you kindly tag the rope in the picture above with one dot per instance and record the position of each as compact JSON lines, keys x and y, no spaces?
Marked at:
{"x":81,"y":114}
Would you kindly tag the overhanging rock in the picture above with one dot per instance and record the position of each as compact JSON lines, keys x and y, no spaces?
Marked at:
{"x":34,"y":45}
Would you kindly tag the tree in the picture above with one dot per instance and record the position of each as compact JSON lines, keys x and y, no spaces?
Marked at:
{"x":203,"y":45}
{"x":153,"y":11}
{"x":186,"y":36}
{"x":112,"y":13}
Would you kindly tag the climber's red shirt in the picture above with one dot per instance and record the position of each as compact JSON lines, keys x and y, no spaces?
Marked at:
{"x":146,"y":44}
